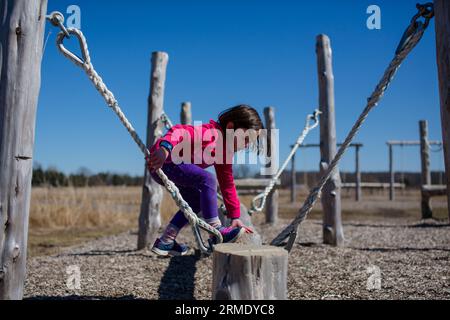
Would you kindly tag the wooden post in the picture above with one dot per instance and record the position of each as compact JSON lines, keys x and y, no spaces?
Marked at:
{"x":186,"y":113}
{"x":331,"y":195}
{"x":248,"y":272}
{"x":152,"y":192}
{"x":272,"y":200}
{"x":426,"y":173}
{"x":293,"y":180}
{"x":357,"y":175}
{"x":391,"y":173}
{"x":442,"y":23}
{"x":22,"y":26}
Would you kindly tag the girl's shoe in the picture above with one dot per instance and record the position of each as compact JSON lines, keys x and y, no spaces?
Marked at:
{"x":231,"y":234}
{"x":173,"y":249}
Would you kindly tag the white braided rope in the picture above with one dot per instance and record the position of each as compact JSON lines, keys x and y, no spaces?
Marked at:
{"x":291,"y":229}
{"x":86,"y":65}
{"x":262,"y":197}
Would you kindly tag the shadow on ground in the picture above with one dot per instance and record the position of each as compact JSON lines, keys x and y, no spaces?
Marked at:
{"x":178,"y":281}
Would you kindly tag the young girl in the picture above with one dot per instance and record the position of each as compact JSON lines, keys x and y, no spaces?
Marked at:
{"x":198,"y":186}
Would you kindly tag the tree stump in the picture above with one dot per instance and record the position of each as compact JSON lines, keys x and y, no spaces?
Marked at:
{"x":249,"y":272}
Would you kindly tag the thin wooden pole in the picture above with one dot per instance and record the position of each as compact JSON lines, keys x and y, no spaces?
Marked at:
{"x":272,"y":200}
{"x":186,"y":113}
{"x":391,"y":173}
{"x":152,"y":192}
{"x":442,"y":23}
{"x":293,"y":180}
{"x":426,"y":173}
{"x":22,"y":26}
{"x":357,"y":175}
{"x":331,"y":197}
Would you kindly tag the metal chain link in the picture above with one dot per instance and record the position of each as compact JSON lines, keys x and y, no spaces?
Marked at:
{"x":85,"y":63}
{"x":409,"y":40}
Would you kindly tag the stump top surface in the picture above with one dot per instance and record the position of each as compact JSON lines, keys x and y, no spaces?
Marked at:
{"x":249,"y":250}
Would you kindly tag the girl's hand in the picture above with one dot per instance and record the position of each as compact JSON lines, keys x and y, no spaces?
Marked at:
{"x":238,"y":223}
{"x":157,"y":159}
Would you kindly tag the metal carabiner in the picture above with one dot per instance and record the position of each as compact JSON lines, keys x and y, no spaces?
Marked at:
{"x":426,"y":11}
{"x":57,"y":19}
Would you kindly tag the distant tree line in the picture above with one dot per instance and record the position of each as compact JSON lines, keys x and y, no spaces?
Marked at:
{"x":82,"y":178}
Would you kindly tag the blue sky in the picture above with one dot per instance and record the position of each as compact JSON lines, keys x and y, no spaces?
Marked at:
{"x":227,"y":52}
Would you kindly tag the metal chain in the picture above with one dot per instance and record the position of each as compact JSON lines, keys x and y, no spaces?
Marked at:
{"x":409,"y":40}
{"x":86,"y":65}
{"x":166,"y":121}
{"x":262,"y":197}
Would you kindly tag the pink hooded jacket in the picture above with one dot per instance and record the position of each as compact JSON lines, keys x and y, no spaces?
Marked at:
{"x":205,"y":152}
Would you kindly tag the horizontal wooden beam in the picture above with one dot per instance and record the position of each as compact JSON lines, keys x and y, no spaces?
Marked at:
{"x":254,"y":183}
{"x":434,"y":190}
{"x":411,"y":143}
{"x":373,"y":185}
{"x":316,"y":145}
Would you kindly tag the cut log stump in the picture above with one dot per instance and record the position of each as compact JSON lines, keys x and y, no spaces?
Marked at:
{"x":249,"y":272}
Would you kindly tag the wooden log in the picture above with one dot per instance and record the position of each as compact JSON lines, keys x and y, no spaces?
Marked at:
{"x":391,"y":173}
{"x":22,"y":26}
{"x":358,"y":192}
{"x":248,"y":272}
{"x":152,"y":192}
{"x":252,"y":183}
{"x":186,"y":113}
{"x":331,"y":196}
{"x":442,"y":23}
{"x":293,"y":180}
{"x":425,"y":166}
{"x":272,"y":201}
{"x":434,"y":190}
{"x":373,"y":185}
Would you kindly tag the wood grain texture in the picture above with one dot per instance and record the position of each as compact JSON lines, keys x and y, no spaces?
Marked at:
{"x":331,"y":194}
{"x":248,"y":272}
{"x":186,"y":113}
{"x":272,"y":200}
{"x":152,"y":192}
{"x":22,"y":26}
{"x":442,"y":24}
{"x":425,"y":166}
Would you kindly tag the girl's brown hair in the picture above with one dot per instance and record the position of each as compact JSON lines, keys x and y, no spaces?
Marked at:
{"x":243,"y":117}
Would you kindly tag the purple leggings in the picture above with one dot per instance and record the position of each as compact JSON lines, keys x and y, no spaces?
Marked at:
{"x":197,"y":186}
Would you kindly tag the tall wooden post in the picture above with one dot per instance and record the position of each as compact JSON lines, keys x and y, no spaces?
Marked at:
{"x":357,"y":174}
{"x":186,"y":113}
{"x":272,"y":200}
{"x":425,"y":164}
{"x":442,"y":17}
{"x":22,"y":26}
{"x":152,"y":193}
{"x":293,"y":180}
{"x":331,"y":195}
{"x":391,"y":173}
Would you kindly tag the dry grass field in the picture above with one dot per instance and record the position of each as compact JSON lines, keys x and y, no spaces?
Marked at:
{"x":61,"y":217}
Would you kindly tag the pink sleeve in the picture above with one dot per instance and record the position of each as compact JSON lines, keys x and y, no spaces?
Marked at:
{"x":171,"y":138}
{"x":224,"y":174}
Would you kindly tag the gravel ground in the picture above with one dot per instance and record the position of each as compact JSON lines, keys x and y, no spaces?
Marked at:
{"x":413,"y":260}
